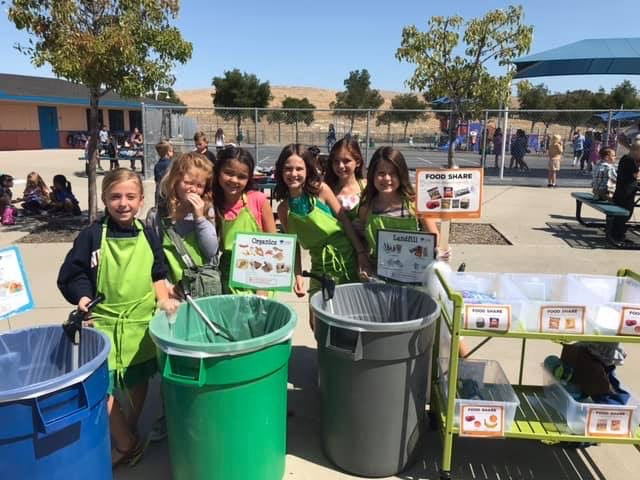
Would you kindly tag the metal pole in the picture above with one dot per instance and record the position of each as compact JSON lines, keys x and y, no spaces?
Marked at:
{"x":483,"y":158}
{"x":504,"y":141}
{"x":255,"y":121}
{"x":606,"y":142}
{"x":146,"y":156}
{"x":366,"y":148}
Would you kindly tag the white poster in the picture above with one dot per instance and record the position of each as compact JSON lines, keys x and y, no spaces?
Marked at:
{"x":453,"y":193}
{"x":403,"y":256}
{"x":15,"y":293}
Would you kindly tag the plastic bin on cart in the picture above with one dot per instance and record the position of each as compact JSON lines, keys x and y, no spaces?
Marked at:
{"x":485,"y":289}
{"x":617,"y":295}
{"x":374,"y":362}
{"x":53,"y":419}
{"x":493,"y":387}
{"x":575,"y":412}
{"x":226,"y":401}
{"x":550,"y":290}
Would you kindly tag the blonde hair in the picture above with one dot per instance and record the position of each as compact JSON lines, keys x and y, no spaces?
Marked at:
{"x":35,"y":180}
{"x":200,"y":136}
{"x":178,"y":169}
{"x":163,"y":148}
{"x":556,"y":138}
{"x":119,"y":175}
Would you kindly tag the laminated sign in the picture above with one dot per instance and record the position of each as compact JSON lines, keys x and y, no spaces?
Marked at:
{"x":629,"y":321}
{"x":562,"y":319}
{"x":453,"y":193}
{"x":263,"y":261}
{"x":609,"y":422}
{"x":481,"y":420}
{"x":15,"y":293}
{"x":496,"y":318}
{"x":403,"y":256}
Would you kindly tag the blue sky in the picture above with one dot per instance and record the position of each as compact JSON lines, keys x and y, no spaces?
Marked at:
{"x":317,"y":43}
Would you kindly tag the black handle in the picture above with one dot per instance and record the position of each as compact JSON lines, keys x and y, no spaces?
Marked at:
{"x":74,"y":322}
{"x":328,"y":284}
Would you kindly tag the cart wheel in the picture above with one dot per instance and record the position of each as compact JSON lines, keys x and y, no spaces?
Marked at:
{"x":445,"y":475}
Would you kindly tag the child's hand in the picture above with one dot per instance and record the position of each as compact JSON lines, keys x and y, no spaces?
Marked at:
{"x":298,"y":287}
{"x":169,"y":305}
{"x":197,"y":205}
{"x":82,"y":304}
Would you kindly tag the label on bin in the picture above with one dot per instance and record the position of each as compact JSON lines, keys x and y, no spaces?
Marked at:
{"x":403,"y":256}
{"x":496,"y":318}
{"x":263,"y":261}
{"x":609,"y":422}
{"x":481,"y":420}
{"x":629,"y":321}
{"x":562,"y":319}
{"x":15,"y":293}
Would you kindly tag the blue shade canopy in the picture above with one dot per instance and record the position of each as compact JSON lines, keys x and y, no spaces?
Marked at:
{"x":596,"y":56}
{"x":619,"y":116}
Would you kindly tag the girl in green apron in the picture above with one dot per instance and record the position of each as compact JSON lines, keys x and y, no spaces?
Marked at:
{"x":187,"y":192}
{"x":239,"y":206}
{"x":389,"y":198}
{"x":309,"y":209}
{"x":121,"y":259}
{"x":344,"y":175}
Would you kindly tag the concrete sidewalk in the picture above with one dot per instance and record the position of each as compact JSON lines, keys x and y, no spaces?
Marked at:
{"x":521,"y":214}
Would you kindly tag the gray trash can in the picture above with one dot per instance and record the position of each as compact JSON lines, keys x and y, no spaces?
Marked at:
{"x":374,"y":362}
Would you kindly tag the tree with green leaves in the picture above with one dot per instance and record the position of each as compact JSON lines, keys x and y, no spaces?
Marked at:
{"x":536,"y":97}
{"x":407,"y":108}
{"x":498,"y":37}
{"x":277,"y":117}
{"x":128,"y":47}
{"x":240,"y":90}
{"x":298,"y":110}
{"x":358,"y":94}
{"x":624,"y":95}
{"x":574,"y":100}
{"x":385,"y":118}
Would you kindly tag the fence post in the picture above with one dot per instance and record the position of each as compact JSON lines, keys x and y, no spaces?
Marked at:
{"x":366,"y":148}
{"x":145,"y":155}
{"x":255,"y":122}
{"x":606,"y":141}
{"x":504,"y":141}
{"x":483,"y":158}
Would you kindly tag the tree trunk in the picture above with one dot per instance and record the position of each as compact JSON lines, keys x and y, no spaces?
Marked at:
{"x":453,"y":128}
{"x":353,"y":119}
{"x":279,"y":142}
{"x":404,"y":135}
{"x":92,"y":154}
{"x":389,"y":133}
{"x":296,"y":123}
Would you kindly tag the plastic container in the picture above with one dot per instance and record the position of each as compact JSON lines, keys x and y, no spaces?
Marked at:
{"x":493,"y":387}
{"x":226,"y":401}
{"x":374,"y":362}
{"x":53,"y":420}
{"x":576,"y":413}
{"x":618,"y":308}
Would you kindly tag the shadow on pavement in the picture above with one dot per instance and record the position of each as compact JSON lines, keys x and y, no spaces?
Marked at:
{"x":579,"y":236}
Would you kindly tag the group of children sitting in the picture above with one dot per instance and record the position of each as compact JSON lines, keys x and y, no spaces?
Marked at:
{"x":37,"y":198}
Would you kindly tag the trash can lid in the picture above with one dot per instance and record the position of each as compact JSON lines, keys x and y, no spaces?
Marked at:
{"x":254,"y":323}
{"x":376,"y":307}
{"x":36,"y":361}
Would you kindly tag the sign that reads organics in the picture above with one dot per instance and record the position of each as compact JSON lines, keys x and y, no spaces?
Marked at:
{"x":454,"y":193}
{"x":263,"y":261}
{"x":15,"y":294}
{"x":403,"y":256}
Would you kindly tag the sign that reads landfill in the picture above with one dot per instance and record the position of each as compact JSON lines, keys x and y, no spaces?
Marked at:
{"x":449,"y":193}
{"x":263,"y":261}
{"x":15,"y":293}
{"x":481,"y":421}
{"x":403,"y":256}
{"x":609,"y":422}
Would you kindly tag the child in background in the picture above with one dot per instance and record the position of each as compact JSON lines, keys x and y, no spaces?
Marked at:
{"x":202,"y":146}
{"x":164,"y":150}
{"x":186,"y":189}
{"x":388,"y":200}
{"x":605,"y":175}
{"x":8,"y":212}
{"x":219,"y":140}
{"x":36,"y":194}
{"x":344,"y":175}
{"x":62,"y":198}
{"x":121,"y":259}
{"x":239,"y":207}
{"x":309,"y":209}
{"x":555,"y":157}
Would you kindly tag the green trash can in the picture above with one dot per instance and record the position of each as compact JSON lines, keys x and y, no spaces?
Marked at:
{"x":226,"y":401}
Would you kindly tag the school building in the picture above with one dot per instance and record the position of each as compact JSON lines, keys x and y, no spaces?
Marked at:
{"x":37,"y":112}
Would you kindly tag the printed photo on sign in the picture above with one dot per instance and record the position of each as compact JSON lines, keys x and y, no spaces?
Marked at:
{"x":481,"y":421}
{"x":449,"y":193}
{"x":495,"y":318}
{"x":629,"y":321}
{"x":263,"y":261}
{"x":403,"y":256}
{"x":562,"y":319}
{"x":15,"y":293}
{"x":609,"y":422}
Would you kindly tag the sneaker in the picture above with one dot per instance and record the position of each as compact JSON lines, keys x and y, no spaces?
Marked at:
{"x":159,"y":430}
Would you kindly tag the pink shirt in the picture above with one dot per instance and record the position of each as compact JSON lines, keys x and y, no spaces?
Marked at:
{"x":255,"y":202}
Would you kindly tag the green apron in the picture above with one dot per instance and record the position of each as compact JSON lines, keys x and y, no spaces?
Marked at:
{"x":245,"y":222}
{"x":377,"y":222}
{"x":174,"y":260}
{"x":124,"y":278}
{"x":331,"y":251}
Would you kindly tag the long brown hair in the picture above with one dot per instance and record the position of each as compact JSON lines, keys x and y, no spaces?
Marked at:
{"x":312,"y":181}
{"x":351,"y":146}
{"x":178,"y":169}
{"x":395,"y":158}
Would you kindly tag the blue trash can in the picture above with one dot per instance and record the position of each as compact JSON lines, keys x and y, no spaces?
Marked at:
{"x":53,"y":420}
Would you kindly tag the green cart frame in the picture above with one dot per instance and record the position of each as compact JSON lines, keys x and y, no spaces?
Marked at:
{"x":530,"y":422}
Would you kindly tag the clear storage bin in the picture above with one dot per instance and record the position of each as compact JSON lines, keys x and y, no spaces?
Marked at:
{"x":618,"y":309}
{"x":576,"y":413}
{"x":493,"y":387}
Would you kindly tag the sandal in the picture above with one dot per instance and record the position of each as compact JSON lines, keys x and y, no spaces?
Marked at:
{"x":129,"y":457}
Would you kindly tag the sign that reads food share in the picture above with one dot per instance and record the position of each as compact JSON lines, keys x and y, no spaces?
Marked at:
{"x":263,"y":261}
{"x":449,"y":193}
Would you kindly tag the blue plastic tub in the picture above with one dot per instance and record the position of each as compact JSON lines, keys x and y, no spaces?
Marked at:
{"x":53,"y":421}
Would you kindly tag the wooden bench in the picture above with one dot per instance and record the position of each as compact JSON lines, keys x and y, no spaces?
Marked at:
{"x":610,"y":210}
